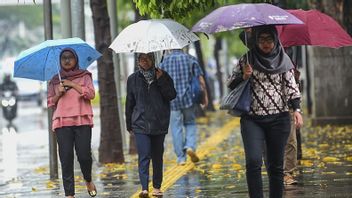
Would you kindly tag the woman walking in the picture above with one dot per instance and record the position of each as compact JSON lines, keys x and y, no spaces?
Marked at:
{"x":149,"y":92}
{"x":273,"y":91}
{"x":72,"y":120}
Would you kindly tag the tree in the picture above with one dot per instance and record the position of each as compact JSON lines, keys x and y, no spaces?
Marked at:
{"x":174,"y":9}
{"x":347,"y":13}
{"x":110,"y":149}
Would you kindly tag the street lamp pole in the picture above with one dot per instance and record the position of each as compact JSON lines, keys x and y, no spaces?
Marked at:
{"x":48,"y":32}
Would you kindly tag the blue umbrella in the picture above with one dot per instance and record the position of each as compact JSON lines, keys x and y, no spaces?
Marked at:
{"x":42,"y":61}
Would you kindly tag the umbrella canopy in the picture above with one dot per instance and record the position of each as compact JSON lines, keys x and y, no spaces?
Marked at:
{"x":243,"y":16}
{"x":318,"y":29}
{"x":42,"y":61}
{"x":153,"y":35}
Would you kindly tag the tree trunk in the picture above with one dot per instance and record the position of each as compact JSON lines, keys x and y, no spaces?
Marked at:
{"x":111,"y":148}
{"x":347,"y":16}
{"x":217,"y":48}
{"x":201,"y":63}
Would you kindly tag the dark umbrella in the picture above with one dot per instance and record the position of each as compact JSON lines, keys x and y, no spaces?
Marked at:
{"x":318,"y":29}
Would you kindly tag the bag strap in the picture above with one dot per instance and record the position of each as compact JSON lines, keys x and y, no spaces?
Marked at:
{"x":192,"y":67}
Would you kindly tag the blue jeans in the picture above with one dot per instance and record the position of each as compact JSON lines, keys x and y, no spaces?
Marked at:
{"x":184,"y":118}
{"x":150,"y":147}
{"x":274,"y":131}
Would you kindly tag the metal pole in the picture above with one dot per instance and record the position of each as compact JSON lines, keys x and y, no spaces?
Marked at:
{"x":112,"y":10}
{"x":77,"y":14}
{"x":48,"y":32}
{"x":65,"y":12}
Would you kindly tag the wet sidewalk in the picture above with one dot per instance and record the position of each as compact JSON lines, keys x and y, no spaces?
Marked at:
{"x":325,"y":171}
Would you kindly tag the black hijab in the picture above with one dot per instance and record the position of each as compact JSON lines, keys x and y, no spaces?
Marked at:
{"x":277,"y":61}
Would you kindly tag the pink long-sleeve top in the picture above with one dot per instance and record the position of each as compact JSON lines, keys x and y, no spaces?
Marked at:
{"x":73,"y":108}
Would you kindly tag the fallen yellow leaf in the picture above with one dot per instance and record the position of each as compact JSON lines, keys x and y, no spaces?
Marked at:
{"x":324,"y":146}
{"x":50,"y":185}
{"x":216,"y":166}
{"x":236,"y":167}
{"x":321,"y":165}
{"x":198,"y":190}
{"x":328,"y":173}
{"x":306,"y":163}
{"x":330,"y":159}
{"x":41,"y":170}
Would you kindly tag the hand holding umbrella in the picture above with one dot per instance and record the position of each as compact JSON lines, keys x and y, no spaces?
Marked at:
{"x":247,"y":71}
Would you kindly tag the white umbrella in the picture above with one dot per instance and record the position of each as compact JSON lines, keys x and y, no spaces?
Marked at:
{"x":153,"y":35}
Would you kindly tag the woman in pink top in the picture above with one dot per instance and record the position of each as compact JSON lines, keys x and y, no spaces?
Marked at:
{"x":72,"y":119}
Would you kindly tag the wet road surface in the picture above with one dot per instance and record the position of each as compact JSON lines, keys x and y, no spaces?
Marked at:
{"x":325,"y":171}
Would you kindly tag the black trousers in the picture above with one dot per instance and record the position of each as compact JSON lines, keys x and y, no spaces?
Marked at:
{"x":150,"y":147}
{"x":274,"y":131}
{"x":78,"y":137}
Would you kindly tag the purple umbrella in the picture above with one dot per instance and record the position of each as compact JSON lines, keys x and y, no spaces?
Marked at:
{"x":243,"y":16}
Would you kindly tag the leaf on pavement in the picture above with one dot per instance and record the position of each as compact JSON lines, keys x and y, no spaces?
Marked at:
{"x":330,"y":159}
{"x":306,"y":163}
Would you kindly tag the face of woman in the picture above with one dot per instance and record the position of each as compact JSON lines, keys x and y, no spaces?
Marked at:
{"x":145,"y":62}
{"x":266,"y":43}
{"x":68,"y":60}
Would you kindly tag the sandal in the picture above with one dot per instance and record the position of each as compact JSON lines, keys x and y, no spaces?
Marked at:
{"x":144,"y":194}
{"x":93,"y":192}
{"x":157,"y":193}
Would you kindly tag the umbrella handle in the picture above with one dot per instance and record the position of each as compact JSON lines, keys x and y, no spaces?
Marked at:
{"x":162,"y":57}
{"x":245,"y":40}
{"x":58,"y":73}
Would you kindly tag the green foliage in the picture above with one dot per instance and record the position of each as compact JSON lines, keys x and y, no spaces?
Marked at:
{"x":31,"y":15}
{"x":125,"y":12}
{"x":297,"y":4}
{"x":235,"y":46}
{"x":174,"y":9}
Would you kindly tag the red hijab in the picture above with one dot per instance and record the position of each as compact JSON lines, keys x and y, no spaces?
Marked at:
{"x":76,"y":72}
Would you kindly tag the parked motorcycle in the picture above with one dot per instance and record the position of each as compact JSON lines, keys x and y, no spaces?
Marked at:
{"x":9,"y":105}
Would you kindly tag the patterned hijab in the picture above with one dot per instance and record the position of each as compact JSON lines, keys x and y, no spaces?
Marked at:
{"x":277,"y":61}
{"x":149,"y":74}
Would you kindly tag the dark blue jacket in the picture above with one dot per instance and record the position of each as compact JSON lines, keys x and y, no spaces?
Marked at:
{"x":148,"y":106}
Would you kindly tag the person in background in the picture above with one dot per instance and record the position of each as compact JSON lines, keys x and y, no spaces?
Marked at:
{"x":8,"y":84}
{"x":182,"y":67}
{"x":290,"y":160}
{"x":149,"y":92}
{"x":72,"y":119}
{"x":273,"y":89}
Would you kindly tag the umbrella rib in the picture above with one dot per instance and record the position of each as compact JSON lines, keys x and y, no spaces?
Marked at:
{"x":46,"y":58}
